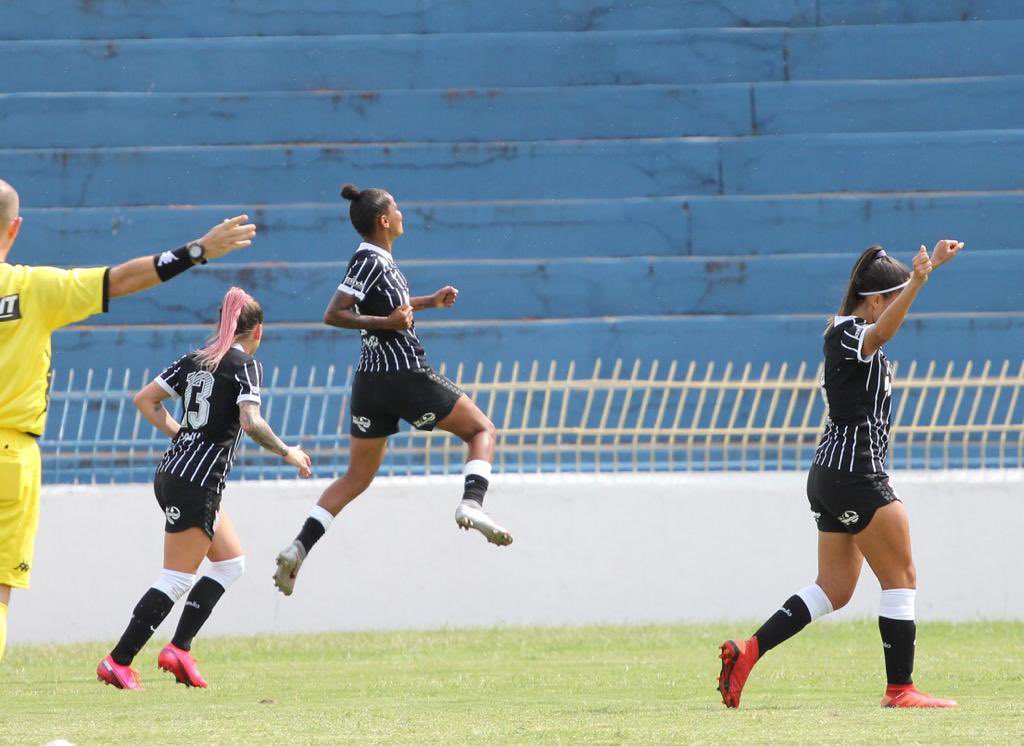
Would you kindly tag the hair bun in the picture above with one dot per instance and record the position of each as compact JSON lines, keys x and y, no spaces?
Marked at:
{"x":350,"y":192}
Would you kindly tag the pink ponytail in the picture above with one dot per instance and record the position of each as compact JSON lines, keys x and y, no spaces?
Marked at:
{"x":235,"y":302}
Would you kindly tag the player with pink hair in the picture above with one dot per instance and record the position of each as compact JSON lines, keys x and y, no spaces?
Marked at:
{"x":220,"y":389}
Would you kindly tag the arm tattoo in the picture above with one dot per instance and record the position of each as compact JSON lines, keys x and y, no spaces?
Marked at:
{"x":258,"y":429}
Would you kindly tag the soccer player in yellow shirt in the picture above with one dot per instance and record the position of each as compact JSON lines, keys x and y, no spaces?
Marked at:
{"x":34,"y":302}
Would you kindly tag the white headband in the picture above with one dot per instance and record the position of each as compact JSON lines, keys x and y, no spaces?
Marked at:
{"x":890,"y":290}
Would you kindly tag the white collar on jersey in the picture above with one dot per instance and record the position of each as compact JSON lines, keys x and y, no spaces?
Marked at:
{"x":237,"y":346}
{"x":364,"y":246}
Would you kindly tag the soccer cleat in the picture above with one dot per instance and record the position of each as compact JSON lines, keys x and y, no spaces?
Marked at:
{"x":180,"y":663}
{"x":907,"y":695}
{"x":469,"y":515}
{"x":288,"y":563}
{"x":738,"y":657}
{"x":118,"y":676}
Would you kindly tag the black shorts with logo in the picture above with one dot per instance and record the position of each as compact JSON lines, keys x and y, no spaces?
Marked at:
{"x":845,"y":502}
{"x":185,"y":504}
{"x":420,"y":397}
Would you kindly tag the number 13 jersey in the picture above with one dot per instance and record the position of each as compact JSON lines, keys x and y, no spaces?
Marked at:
{"x":203,"y":450}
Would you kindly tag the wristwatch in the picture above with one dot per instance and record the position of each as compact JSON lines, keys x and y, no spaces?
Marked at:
{"x":196,"y":253}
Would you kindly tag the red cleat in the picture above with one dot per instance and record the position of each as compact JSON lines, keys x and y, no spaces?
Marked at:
{"x":738,"y":657}
{"x":121,"y":677}
{"x":181,"y":663}
{"x":906,"y":695}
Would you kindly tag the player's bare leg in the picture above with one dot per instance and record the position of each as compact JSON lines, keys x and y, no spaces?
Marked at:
{"x":365,"y":457}
{"x":469,"y":423}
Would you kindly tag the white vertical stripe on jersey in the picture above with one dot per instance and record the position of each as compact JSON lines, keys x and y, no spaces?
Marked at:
{"x":171,"y":467}
{"x":392,"y":351}
{"x":210,"y":467}
{"x":196,"y":471}
{"x":194,"y":454}
{"x":853,"y":449}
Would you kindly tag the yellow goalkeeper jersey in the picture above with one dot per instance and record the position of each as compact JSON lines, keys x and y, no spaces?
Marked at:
{"x":35,"y":301}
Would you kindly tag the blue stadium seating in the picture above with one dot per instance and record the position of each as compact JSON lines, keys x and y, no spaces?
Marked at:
{"x":660,"y":179}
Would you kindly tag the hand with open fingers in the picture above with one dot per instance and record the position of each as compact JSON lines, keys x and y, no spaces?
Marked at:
{"x":945,"y":250}
{"x":401,"y":318}
{"x":300,"y":460}
{"x":922,"y":266}
{"x":230,"y":235}
{"x":445,"y":297}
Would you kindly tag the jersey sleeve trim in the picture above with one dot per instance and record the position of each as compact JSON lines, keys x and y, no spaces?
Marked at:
{"x":255,"y":398}
{"x":166,"y":387}
{"x":106,"y":290}
{"x":854,"y":335}
{"x":351,"y":291}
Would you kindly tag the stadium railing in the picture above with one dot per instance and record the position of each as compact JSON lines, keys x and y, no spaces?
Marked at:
{"x":646,"y":416}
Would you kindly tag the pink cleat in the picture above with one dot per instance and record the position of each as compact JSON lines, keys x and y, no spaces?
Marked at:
{"x":181,"y":663}
{"x":121,"y":677}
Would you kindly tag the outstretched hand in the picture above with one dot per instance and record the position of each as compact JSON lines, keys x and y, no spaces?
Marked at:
{"x":232,"y":234}
{"x":445,"y":297}
{"x":945,"y":250}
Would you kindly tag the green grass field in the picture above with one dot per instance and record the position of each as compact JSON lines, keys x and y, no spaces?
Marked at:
{"x":583,"y":685}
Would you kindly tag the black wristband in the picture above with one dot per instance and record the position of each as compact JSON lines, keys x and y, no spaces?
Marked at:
{"x":172,"y":263}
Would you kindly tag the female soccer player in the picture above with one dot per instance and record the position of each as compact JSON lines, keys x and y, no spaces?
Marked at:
{"x":220,"y":388}
{"x":858,"y":514}
{"x":392,"y":381}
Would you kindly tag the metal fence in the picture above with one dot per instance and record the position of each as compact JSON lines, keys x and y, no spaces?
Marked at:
{"x":638,"y":417}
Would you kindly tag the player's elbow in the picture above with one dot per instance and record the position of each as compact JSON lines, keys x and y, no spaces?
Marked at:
{"x":141,"y":401}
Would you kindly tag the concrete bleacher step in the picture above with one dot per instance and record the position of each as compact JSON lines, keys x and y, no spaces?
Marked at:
{"x":582,"y":288}
{"x":739,"y":339}
{"x":55,"y":19}
{"x":244,"y":64}
{"x":672,"y":226}
{"x":783,"y":164}
{"x":76,"y":120}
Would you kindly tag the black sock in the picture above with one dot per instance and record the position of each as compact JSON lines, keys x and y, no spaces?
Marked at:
{"x":152,"y":608}
{"x":310,"y":534}
{"x":898,"y":639}
{"x":204,"y":596}
{"x":783,"y":624}
{"x":476,"y":488}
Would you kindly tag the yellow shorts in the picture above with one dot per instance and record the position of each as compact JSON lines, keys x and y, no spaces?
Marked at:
{"x":20,"y":479}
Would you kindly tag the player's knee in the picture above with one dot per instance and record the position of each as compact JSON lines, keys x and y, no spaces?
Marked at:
{"x":226,"y":572}
{"x":488,"y":427}
{"x":839,"y":594}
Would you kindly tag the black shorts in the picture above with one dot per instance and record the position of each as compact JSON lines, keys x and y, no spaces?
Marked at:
{"x":845,"y":502}
{"x":185,"y":504}
{"x":420,"y":397}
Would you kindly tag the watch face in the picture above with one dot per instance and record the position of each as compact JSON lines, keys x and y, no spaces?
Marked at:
{"x":195,"y":251}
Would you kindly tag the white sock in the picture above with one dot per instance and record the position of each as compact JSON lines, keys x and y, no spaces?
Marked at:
{"x":816,"y":601}
{"x":479,"y":467}
{"x":226,"y":572}
{"x":898,"y":603}
{"x":321,"y":515}
{"x":174,"y":584}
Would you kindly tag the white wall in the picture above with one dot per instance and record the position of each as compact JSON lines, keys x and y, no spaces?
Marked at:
{"x":611,"y":550}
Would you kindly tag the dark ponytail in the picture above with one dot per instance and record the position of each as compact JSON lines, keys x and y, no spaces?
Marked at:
{"x":875,"y":270}
{"x":367,"y":205}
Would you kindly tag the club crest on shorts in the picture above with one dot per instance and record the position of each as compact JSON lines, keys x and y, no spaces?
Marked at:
{"x":173,"y":513}
{"x":363,"y":423}
{"x":425,"y":420}
{"x":849,"y":518}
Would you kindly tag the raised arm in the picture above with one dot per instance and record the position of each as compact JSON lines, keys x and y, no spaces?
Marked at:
{"x":341,"y":313}
{"x":144,"y":272}
{"x":150,"y":401}
{"x":256,"y":427}
{"x":891,"y":319}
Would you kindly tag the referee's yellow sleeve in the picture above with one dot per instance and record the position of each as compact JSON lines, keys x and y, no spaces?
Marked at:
{"x":64,"y":296}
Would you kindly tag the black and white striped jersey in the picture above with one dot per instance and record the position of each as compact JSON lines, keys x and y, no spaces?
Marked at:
{"x":203,"y":450}
{"x":858,"y":392}
{"x":378,"y":286}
